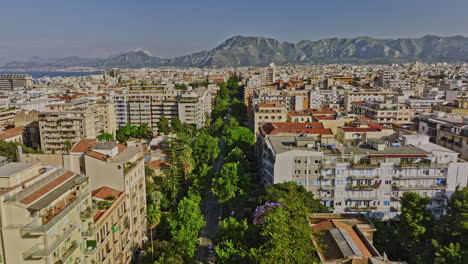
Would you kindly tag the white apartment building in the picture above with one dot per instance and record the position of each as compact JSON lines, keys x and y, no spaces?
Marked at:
{"x":148,"y":104}
{"x":384,"y":112}
{"x":370,"y":95}
{"x":74,"y":121}
{"x":323,"y":98}
{"x":369,"y":178}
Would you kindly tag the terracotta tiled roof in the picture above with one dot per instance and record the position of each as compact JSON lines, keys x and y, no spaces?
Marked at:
{"x":354,"y":236}
{"x":97,"y":155}
{"x":12,"y":132}
{"x":324,"y":111}
{"x":376,"y":126}
{"x":275,"y":105}
{"x":360,"y":129}
{"x":83,"y":145}
{"x":296,"y":128}
{"x":47,"y":188}
{"x":104,"y":192}
{"x":332,"y":252}
{"x":97,"y":215}
{"x":358,"y":102}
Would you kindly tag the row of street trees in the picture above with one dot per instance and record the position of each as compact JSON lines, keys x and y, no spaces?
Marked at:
{"x":278,"y":231}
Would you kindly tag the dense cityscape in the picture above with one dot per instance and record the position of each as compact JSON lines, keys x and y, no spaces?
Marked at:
{"x":234,"y":132}
{"x":280,"y":164}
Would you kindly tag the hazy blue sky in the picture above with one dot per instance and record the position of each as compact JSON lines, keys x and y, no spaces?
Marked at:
{"x":99,"y":28}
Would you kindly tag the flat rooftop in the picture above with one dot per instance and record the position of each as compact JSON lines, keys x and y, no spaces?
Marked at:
{"x":389,"y":150}
{"x":283,"y":144}
{"x":125,"y":155}
{"x":12,"y":168}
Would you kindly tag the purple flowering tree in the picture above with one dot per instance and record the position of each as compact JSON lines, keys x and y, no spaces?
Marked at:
{"x":262,"y":210}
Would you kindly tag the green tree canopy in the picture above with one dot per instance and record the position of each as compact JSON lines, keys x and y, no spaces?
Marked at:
{"x":186,"y":223}
{"x":240,"y":136}
{"x":205,"y":148}
{"x":234,"y":240}
{"x":133,"y":131}
{"x":163,"y":125}
{"x":287,"y":239}
{"x":9,"y":149}
{"x":293,"y":196}
{"x":226,"y":185}
{"x":414,"y":227}
{"x":176,"y":125}
{"x":105,"y":137}
{"x":144,"y":131}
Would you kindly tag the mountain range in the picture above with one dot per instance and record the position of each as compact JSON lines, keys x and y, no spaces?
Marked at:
{"x":258,"y":51}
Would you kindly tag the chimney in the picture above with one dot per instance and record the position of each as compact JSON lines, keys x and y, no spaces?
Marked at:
{"x":19,"y":153}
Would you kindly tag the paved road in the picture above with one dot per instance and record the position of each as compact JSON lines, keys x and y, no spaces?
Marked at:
{"x":212,"y":211}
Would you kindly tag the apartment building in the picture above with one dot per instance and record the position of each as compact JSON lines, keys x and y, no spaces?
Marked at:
{"x":7,"y":116}
{"x":107,"y":228}
{"x":63,"y":125}
{"x":357,"y":133}
{"x":10,"y":81}
{"x":268,"y":75}
{"x":385,"y":113}
{"x":370,"y":95}
{"x":422,"y":104}
{"x":324,"y":98}
{"x":267,"y":112}
{"x":368,"y":178}
{"x":118,"y":167}
{"x":292,"y":100}
{"x":455,"y":138}
{"x":40,"y":214}
{"x":148,"y":104}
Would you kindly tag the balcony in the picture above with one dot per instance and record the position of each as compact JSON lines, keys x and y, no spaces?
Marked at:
{"x":130,"y":165}
{"x":364,"y":166}
{"x":420,"y":164}
{"x":37,"y":252}
{"x":90,"y":231}
{"x":68,"y":253}
{"x":89,"y":212}
{"x":359,"y":208}
{"x":91,"y":247}
{"x":59,"y":215}
{"x":363,"y":187}
{"x":420,"y":186}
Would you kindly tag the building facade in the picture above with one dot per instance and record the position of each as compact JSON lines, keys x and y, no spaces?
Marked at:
{"x":148,"y":104}
{"x":367,"y":178}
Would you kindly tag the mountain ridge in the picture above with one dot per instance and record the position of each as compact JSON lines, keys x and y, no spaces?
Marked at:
{"x":240,"y":51}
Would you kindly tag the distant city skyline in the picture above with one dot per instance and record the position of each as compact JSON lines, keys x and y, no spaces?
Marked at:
{"x":54,"y":28}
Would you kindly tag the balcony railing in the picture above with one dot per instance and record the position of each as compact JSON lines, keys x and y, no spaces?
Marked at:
{"x":364,"y":166}
{"x":420,"y":164}
{"x":68,"y":253}
{"x":38,"y":252}
{"x":35,"y":228}
{"x":89,"y":212}
{"x":416,"y":187}
{"x":359,"y":208}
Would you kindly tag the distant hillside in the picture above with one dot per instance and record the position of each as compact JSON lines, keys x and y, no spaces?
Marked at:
{"x":258,"y":51}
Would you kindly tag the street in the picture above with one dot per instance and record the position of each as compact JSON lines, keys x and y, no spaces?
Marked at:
{"x":212,"y":211}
